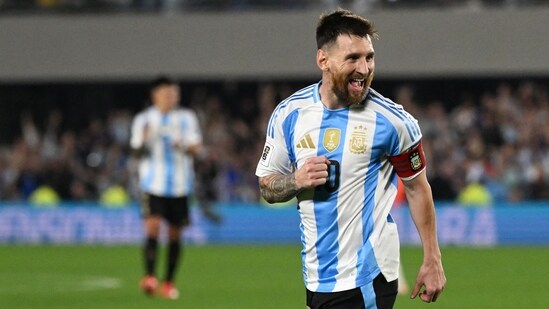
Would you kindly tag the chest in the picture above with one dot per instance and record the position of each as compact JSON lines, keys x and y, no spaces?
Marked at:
{"x":352,"y":136}
{"x":168,"y":125}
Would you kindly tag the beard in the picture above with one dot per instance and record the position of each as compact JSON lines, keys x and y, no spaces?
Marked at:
{"x":341,"y":88}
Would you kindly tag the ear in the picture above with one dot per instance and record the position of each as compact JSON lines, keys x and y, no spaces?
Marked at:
{"x":322,"y":59}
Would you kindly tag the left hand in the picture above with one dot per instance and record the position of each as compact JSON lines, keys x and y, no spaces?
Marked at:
{"x":432,"y":279}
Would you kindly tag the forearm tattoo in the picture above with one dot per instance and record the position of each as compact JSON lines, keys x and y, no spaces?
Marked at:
{"x":278,"y":188}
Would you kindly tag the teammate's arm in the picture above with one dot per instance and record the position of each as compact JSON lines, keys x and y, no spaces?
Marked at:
{"x":192,"y":143}
{"x":139,"y":137}
{"x":140,"y":152}
{"x":276,"y":188}
{"x":195,"y":150}
{"x":198,"y":151}
{"x":431,"y":273}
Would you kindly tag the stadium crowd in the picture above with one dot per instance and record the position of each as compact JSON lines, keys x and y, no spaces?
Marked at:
{"x":166,"y":6}
{"x":488,"y":147}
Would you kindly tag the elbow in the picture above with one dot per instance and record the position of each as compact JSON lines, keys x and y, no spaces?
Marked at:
{"x":272,"y":198}
{"x":269,"y":198}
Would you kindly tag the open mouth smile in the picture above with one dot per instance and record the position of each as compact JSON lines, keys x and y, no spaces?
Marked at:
{"x":357,"y":84}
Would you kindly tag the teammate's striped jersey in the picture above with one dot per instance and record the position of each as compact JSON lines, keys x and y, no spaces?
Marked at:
{"x":166,"y":171}
{"x":347,"y":233}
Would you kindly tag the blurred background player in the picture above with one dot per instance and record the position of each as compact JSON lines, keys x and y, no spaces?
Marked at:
{"x":165,"y":138}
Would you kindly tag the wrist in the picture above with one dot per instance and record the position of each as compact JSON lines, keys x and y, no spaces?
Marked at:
{"x":432,"y":256}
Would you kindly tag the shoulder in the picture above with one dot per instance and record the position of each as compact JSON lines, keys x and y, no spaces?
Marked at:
{"x":304,"y":93}
{"x":141,"y":115}
{"x":382,"y":104}
{"x":184,"y":112}
{"x":389,"y":109}
{"x":302,"y":98}
{"x":395,"y":114}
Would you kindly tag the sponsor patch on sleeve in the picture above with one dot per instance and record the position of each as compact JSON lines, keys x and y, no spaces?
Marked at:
{"x":409,"y":163}
{"x":266,"y":155}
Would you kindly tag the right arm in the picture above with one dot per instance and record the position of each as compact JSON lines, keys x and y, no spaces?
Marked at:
{"x":139,"y":136}
{"x":276,"y":188}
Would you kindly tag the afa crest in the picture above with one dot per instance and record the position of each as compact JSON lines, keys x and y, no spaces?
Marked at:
{"x":415,"y":161}
{"x":331,"y":139}
{"x":357,"y":143}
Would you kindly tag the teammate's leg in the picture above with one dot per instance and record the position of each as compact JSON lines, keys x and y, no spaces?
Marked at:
{"x":174,"y":250}
{"x":152,"y":228}
{"x":177,"y":216}
{"x":151,"y":221}
{"x":168,"y":289}
{"x":150,"y":248}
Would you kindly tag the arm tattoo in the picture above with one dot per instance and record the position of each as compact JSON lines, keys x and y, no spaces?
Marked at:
{"x":278,"y":188}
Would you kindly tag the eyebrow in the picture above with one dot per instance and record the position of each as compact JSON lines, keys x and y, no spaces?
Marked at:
{"x":357,"y":55}
{"x":352,"y":55}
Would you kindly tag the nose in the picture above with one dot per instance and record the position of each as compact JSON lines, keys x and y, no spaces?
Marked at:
{"x":362,"y":66}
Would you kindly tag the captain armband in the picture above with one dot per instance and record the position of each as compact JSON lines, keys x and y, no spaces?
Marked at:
{"x":409,"y":163}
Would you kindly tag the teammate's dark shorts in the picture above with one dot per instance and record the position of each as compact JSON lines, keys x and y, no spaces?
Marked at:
{"x":175,"y":210}
{"x":378,"y":294}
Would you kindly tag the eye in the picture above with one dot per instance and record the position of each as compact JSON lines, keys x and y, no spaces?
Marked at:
{"x":352,"y":57}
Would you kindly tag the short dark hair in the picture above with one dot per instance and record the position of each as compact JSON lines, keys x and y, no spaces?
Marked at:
{"x":339,"y":22}
{"x":161,"y":80}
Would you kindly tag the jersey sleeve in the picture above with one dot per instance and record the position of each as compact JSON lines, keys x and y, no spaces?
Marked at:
{"x":406,"y":154}
{"x":274,"y":157}
{"x":191,"y":127}
{"x":137,"y":131}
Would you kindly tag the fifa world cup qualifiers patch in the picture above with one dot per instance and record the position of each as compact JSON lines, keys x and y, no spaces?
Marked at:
{"x":410,"y":163}
{"x":266,"y":155}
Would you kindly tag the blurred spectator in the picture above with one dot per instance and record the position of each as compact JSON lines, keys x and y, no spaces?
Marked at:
{"x":29,"y":170}
{"x":497,"y":137}
{"x":163,"y":6}
{"x":475,"y":194}
{"x":44,"y":196}
{"x":114,"y":196}
{"x":206,"y":189}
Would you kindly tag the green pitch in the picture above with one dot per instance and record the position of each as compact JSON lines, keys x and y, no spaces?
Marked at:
{"x":243,"y":277}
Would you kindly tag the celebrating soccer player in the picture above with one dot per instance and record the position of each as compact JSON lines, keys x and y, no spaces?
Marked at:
{"x":338,"y":147}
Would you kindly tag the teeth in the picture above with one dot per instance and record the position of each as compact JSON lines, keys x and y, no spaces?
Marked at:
{"x":357,"y":82}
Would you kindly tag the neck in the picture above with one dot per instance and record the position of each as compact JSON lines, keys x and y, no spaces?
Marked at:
{"x":162,"y":108}
{"x":328,"y":97}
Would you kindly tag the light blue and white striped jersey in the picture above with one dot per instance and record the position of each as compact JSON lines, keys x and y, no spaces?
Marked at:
{"x":166,"y":171}
{"x":347,"y":233}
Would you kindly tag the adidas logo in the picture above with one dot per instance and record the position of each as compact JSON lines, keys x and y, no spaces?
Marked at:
{"x":306,"y":142}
